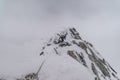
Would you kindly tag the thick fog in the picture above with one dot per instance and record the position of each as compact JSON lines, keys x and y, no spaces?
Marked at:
{"x":24,"y":23}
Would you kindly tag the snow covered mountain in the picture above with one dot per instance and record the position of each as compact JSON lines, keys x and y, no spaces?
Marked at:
{"x":66,"y":56}
{"x":69,"y":57}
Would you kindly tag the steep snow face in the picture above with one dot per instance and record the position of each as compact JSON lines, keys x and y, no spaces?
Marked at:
{"x":69,"y":57}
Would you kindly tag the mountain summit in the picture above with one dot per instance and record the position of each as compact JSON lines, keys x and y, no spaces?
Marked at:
{"x":69,"y":57}
{"x":66,"y":56}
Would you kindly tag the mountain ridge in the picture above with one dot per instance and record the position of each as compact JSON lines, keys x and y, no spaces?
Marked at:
{"x":67,"y":56}
{"x":69,"y":39}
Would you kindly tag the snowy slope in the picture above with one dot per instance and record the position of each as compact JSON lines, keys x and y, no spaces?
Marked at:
{"x":70,"y":46}
{"x":63,"y":68}
{"x":66,"y":56}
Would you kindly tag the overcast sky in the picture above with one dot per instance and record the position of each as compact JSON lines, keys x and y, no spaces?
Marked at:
{"x":25,"y":22}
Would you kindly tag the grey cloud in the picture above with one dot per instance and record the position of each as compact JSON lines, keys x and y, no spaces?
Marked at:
{"x":54,"y":7}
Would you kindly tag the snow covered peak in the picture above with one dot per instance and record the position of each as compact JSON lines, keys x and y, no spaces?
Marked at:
{"x":66,"y":56}
{"x":68,"y":34}
{"x":70,"y":44}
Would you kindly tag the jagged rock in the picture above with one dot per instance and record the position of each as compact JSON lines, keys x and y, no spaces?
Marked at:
{"x":88,"y":43}
{"x":94,"y":69}
{"x":80,"y":44}
{"x":74,"y":33}
{"x":100,"y":65}
{"x":91,"y":57}
{"x":96,"y":78}
{"x":72,"y":54}
{"x":81,"y":58}
{"x":31,"y":76}
{"x":102,"y":68}
{"x":78,"y":57}
{"x":60,"y":37}
{"x":103,"y":61}
{"x":63,"y":44}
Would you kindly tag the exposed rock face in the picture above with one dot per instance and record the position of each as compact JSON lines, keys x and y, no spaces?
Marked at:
{"x":74,"y":33}
{"x":69,"y":42}
{"x":78,"y":57}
